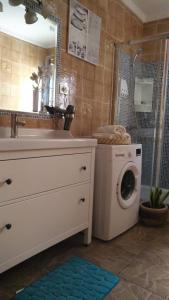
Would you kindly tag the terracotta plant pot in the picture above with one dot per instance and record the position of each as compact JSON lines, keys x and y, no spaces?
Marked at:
{"x":153,"y":216}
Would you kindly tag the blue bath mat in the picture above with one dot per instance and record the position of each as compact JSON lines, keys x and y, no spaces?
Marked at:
{"x":76,"y":279}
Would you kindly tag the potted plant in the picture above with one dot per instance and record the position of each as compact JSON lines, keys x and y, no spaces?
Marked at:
{"x":154,"y":212}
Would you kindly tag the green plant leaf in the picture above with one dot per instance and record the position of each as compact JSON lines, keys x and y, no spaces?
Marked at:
{"x":155,"y":197}
{"x":164,"y":197}
{"x":157,"y":200}
{"x":151,"y":197}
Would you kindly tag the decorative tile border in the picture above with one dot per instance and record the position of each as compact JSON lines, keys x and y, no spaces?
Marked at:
{"x":42,"y":116}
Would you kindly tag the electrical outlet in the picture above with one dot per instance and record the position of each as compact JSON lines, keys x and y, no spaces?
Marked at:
{"x":63,"y":88}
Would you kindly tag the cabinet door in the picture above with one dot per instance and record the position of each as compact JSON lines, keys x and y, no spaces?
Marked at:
{"x":35,"y":175}
{"x":38,"y":223}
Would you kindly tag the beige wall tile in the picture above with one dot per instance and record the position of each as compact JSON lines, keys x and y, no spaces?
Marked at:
{"x":88,"y":88}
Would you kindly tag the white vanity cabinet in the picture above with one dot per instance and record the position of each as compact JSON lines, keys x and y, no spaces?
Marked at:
{"x":46,"y":195}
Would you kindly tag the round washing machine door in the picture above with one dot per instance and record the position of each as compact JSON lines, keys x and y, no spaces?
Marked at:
{"x":127,"y":185}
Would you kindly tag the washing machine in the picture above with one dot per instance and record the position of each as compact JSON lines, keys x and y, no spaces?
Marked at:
{"x":117,"y":189}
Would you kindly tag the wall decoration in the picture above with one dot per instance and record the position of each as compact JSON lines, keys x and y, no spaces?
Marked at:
{"x":84,"y":33}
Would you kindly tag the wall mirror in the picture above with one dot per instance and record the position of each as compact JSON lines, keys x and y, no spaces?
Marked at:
{"x":30,"y":57}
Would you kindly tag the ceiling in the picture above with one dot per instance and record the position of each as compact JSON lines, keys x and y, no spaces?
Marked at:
{"x":42,"y":33}
{"x":149,"y":10}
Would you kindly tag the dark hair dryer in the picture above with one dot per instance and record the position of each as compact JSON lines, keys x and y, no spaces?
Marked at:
{"x":69,"y":116}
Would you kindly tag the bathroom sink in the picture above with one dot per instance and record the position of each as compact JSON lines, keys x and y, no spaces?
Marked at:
{"x":44,"y":134}
{"x":22,"y":144}
{"x":27,"y":133}
{"x":30,"y":139}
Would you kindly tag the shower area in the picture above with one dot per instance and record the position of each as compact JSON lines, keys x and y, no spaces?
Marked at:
{"x":142,"y":104}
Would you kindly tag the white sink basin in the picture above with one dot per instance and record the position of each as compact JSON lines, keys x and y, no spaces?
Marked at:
{"x":27,"y":133}
{"x":8,"y":144}
{"x":31,"y":139}
{"x":34,"y":139}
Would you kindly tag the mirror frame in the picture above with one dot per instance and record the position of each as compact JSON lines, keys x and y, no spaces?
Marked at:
{"x":42,"y":115}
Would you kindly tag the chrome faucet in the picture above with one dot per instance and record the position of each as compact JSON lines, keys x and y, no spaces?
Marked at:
{"x":15,"y":123}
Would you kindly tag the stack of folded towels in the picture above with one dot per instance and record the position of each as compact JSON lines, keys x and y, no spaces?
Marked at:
{"x":112,"y":135}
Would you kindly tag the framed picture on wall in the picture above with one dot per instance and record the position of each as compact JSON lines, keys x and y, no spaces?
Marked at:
{"x":84,"y":33}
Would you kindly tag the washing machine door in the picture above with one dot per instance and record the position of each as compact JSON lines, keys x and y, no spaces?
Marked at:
{"x":128,"y":185}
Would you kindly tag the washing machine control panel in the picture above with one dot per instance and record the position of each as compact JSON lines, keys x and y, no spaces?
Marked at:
{"x":129,"y":153}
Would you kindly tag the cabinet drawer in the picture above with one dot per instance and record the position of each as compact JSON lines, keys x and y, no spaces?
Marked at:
{"x":41,"y":222}
{"x":35,"y":175}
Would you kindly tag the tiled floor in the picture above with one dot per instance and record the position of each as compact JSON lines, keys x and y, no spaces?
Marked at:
{"x":140,"y":257}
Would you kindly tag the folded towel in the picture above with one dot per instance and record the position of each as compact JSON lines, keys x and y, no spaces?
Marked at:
{"x":117,"y":135}
{"x":111,"y":129}
{"x":113,"y":138}
{"x":127,"y":138}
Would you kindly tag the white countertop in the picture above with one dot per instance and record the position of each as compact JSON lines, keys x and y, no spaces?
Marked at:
{"x":14,"y":144}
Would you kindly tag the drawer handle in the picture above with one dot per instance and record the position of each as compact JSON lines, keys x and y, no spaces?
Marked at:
{"x":82,"y":200}
{"x":83,"y":168}
{"x":8,"y":181}
{"x":7,"y":226}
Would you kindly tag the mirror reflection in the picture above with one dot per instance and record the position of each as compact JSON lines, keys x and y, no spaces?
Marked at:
{"x":28,"y":59}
